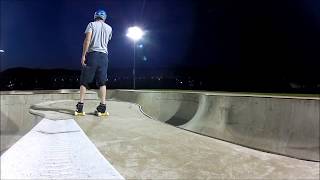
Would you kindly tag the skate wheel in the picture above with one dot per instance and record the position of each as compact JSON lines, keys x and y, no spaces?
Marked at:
{"x":79,"y":114}
{"x":99,"y":114}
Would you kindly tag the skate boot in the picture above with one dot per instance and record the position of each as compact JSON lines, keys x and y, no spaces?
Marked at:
{"x":79,"y":110}
{"x":101,"y":110}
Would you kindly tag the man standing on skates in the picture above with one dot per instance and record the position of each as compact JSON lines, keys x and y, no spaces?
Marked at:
{"x":95,"y":60}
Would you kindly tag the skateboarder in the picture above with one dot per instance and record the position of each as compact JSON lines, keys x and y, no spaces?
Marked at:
{"x":94,"y":60}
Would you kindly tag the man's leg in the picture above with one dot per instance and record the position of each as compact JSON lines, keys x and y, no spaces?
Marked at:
{"x":83,"y":90}
{"x":101,"y":108}
{"x":79,"y":106}
{"x":102,"y":76}
{"x":103,"y":94}
{"x":87,"y":75}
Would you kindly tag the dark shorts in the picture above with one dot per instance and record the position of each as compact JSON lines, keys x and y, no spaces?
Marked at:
{"x":97,"y":67}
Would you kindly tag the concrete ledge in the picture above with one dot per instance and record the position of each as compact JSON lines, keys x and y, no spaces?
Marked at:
{"x":61,"y":91}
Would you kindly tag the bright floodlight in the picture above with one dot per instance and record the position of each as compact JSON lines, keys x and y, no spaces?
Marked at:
{"x":135,"y":33}
{"x":1,"y":51}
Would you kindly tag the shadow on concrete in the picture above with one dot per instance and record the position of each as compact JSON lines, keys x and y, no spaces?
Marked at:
{"x":9,"y":133}
{"x":8,"y":126}
{"x":59,"y":110}
{"x":183,"y":115}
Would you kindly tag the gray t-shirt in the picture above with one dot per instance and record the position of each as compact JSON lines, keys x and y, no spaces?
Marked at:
{"x":101,"y":34}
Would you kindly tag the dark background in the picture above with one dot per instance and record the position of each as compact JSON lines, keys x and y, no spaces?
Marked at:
{"x":227,"y":45}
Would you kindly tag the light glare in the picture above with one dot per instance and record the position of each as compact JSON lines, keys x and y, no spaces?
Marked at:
{"x":135,"y":33}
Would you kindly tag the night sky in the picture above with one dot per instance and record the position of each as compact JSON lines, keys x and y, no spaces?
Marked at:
{"x":180,"y":33}
{"x":49,"y":34}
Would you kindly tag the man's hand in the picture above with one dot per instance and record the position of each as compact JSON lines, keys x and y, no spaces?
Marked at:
{"x":83,"y":61}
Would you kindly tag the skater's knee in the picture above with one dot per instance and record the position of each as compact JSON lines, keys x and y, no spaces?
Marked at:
{"x":86,"y":85}
{"x":100,"y":83}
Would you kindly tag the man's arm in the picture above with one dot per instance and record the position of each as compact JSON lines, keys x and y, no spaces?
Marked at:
{"x":85,"y":47}
{"x":110,"y":35}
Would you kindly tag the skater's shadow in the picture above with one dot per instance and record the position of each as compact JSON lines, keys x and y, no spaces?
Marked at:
{"x":59,"y":110}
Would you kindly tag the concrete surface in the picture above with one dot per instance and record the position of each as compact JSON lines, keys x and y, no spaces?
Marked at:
{"x":140,"y":147}
{"x":15,"y":105}
{"x":56,"y":150}
{"x":279,"y":124}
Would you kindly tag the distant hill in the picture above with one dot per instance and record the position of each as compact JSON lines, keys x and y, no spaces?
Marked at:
{"x":33,"y":79}
{"x":216,"y":78}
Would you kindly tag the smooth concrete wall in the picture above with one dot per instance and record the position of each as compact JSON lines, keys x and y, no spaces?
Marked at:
{"x":174,"y":108}
{"x":282,"y":125}
{"x":15,"y":117}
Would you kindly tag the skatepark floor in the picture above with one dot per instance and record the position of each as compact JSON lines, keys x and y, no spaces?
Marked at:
{"x":143,"y":148}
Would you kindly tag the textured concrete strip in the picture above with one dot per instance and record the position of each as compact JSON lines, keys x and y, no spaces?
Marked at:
{"x":56,"y":150}
{"x":16,"y":120}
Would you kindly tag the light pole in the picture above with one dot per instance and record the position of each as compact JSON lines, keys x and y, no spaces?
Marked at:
{"x":1,"y":51}
{"x":134,"y":33}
